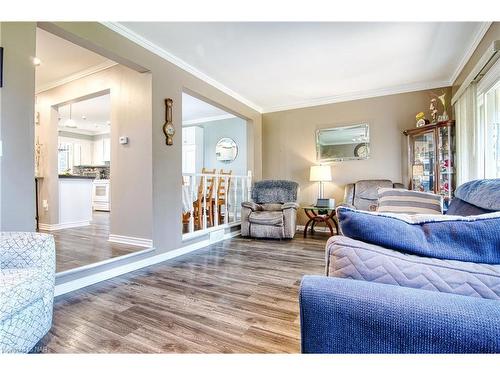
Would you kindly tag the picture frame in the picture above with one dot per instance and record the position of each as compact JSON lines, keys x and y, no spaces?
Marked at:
{"x":1,"y":66}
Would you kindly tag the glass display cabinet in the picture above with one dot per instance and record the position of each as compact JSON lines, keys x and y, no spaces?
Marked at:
{"x":431,"y":154}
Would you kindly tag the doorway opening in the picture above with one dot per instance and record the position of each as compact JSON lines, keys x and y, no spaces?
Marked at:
{"x":90,"y":134}
{"x":215,"y":175}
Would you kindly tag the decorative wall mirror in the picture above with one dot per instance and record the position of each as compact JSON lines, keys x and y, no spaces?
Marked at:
{"x":343,"y":143}
{"x":226,"y":150}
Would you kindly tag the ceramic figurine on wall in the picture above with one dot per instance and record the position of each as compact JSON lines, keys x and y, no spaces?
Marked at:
{"x":168,"y":127}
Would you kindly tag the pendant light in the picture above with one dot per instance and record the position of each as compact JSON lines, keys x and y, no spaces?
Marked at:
{"x":70,"y":123}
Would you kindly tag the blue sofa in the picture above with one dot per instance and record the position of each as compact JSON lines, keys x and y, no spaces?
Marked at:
{"x":381,"y":300}
{"x":27,"y":275}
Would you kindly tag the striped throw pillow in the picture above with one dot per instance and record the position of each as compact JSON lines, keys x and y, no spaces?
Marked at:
{"x":409,"y":202}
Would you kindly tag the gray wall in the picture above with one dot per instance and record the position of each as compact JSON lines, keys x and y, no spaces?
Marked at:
{"x":17,"y":201}
{"x":168,"y":81}
{"x":289,"y":146}
{"x":131,"y":164}
{"x":235,"y":129}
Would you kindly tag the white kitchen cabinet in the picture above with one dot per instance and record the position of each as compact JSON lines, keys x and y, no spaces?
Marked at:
{"x":106,"y":145}
{"x":102,"y":151}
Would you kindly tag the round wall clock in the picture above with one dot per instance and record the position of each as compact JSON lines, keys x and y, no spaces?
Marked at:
{"x":362,"y":151}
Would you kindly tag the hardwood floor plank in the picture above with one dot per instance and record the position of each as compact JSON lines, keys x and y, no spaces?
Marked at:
{"x":237,"y":296}
{"x":81,"y":246}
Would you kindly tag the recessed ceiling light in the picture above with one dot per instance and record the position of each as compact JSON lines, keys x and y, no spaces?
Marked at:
{"x":84,"y":117}
{"x":36,"y":61}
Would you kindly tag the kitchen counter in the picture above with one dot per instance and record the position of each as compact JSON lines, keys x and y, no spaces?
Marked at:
{"x":75,"y":200}
{"x":74,"y":176}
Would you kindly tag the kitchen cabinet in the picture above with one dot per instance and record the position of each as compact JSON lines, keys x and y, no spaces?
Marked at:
{"x":101,"y":151}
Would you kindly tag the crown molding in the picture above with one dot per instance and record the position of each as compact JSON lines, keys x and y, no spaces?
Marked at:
{"x":208,"y":119}
{"x":366,"y":94}
{"x":83,"y":73}
{"x":468,"y":53}
{"x":157,"y":50}
{"x":131,"y":35}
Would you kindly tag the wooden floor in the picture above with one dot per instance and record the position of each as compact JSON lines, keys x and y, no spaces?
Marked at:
{"x":76,"y":247}
{"x":236,"y":296}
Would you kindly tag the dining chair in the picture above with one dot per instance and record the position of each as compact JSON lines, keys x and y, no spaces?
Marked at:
{"x":205,"y":193}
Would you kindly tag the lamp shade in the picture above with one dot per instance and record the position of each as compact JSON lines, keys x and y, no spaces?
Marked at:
{"x":320,"y":173}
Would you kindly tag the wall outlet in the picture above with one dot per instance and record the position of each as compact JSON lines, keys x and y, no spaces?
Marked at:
{"x":123,"y":140}
{"x":45,"y":204}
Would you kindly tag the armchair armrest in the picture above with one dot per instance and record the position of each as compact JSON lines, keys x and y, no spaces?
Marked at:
{"x":251,"y":205}
{"x":352,"y":316}
{"x":293,"y":205}
{"x":398,"y":185}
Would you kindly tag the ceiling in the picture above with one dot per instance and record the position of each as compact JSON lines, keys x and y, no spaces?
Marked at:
{"x":61,"y":59}
{"x":274,"y":66}
{"x":195,"y":111}
{"x":91,"y":116}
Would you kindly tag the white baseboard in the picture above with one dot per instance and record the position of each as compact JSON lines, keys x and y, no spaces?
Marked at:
{"x":82,"y":282}
{"x":135,"y":241}
{"x":74,"y":224}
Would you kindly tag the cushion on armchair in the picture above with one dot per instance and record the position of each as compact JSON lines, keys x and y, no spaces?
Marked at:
{"x":352,"y":259}
{"x":275,"y":191}
{"x":266,"y":218}
{"x":409,"y":202}
{"x":476,"y":197}
{"x":470,"y":238}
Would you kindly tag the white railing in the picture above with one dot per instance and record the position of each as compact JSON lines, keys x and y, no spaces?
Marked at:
{"x":205,"y":207}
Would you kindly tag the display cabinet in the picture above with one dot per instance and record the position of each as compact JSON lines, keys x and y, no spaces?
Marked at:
{"x":431,"y":155}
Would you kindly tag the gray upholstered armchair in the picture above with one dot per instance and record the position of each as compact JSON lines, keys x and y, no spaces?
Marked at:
{"x":363,"y":195}
{"x":273,"y":210}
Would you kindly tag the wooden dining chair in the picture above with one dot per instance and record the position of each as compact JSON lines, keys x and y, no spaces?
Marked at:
{"x":205,"y":193}
{"x":223,"y":186}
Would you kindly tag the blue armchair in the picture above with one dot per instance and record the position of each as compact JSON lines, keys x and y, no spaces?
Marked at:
{"x":27,"y":275}
{"x":381,"y":300}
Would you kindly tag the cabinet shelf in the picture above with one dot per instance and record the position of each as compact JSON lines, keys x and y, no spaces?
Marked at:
{"x":429,"y":148}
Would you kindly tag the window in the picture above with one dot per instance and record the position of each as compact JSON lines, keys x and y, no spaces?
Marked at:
{"x":488,"y":105}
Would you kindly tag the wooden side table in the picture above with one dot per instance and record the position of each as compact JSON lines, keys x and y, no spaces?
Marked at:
{"x":320,"y":215}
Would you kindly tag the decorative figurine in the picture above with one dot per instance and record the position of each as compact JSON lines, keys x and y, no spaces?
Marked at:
{"x":441,"y":98}
{"x":168,"y":127}
{"x":421,"y":120}
{"x":433,"y":109}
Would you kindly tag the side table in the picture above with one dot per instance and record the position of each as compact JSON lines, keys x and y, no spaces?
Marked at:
{"x":320,"y":215}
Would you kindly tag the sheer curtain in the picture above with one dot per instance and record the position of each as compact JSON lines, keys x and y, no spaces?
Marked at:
{"x":469,"y":157}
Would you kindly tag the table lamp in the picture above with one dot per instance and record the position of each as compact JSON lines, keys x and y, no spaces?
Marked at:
{"x":321,"y":174}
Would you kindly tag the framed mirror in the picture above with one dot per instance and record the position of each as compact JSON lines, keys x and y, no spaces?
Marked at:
{"x":226,"y":150}
{"x":343,"y":143}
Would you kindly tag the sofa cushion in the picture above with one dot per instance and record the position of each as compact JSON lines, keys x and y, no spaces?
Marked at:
{"x":409,"y":202}
{"x":19,"y":288}
{"x":462,"y":208}
{"x":266,"y":218}
{"x":464,"y":238}
{"x":271,"y":206}
{"x":348,"y":258}
{"x":481,"y":193}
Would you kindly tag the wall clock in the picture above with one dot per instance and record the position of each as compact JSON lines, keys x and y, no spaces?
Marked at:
{"x":168,"y":127}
